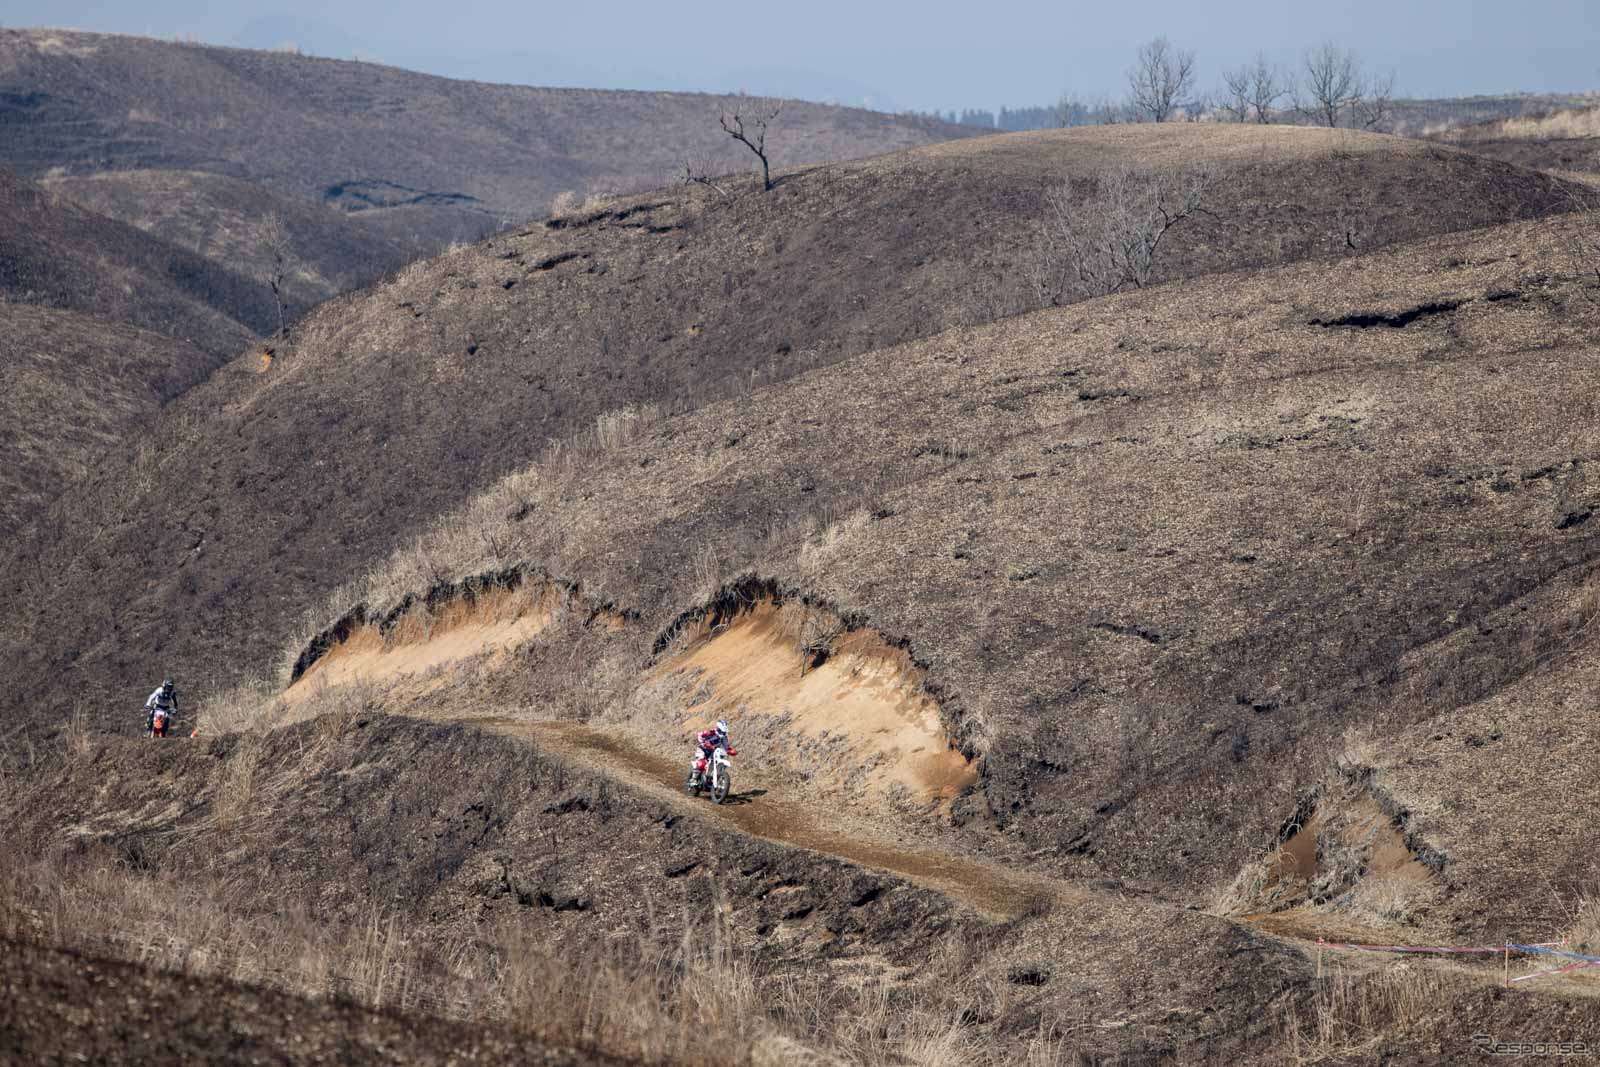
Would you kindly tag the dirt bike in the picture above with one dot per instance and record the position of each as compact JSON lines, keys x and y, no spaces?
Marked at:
{"x":159,"y":722}
{"x":717,"y":777}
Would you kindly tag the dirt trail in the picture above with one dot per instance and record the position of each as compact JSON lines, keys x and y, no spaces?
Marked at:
{"x":995,"y":891}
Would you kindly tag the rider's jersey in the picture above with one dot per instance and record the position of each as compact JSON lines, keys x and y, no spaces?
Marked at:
{"x":708,"y":740}
{"x":162,"y":700}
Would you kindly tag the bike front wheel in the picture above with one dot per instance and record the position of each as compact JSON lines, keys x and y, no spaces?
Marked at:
{"x":721,"y":787}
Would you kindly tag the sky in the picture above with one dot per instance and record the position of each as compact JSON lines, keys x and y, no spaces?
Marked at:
{"x":933,"y":54}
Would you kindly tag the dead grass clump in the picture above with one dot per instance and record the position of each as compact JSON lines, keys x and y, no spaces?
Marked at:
{"x":1392,"y":898}
{"x":1561,"y":125}
{"x":1247,"y":892}
{"x":248,"y":707}
{"x":563,"y":204}
{"x":1584,"y":933}
{"x":1350,"y":1014}
{"x":237,"y":791}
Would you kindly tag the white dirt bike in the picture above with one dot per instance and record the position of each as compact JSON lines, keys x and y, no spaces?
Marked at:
{"x":717,"y":777}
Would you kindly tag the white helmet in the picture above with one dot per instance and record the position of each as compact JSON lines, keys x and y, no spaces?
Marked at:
{"x":722,"y":726}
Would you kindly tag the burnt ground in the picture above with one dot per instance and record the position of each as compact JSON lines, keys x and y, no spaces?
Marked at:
{"x":66,"y":1007}
{"x":215,"y":216}
{"x":403,"y":400}
{"x":451,"y":833}
{"x":54,"y":253}
{"x":70,"y":387}
{"x":1161,"y":555}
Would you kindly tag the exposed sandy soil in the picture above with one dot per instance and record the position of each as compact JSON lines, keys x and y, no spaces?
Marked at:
{"x":859,"y":720}
{"x":421,"y":642}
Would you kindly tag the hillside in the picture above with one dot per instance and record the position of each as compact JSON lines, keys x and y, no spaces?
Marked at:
{"x":1163,"y":561}
{"x":152,"y":1016}
{"x":71,"y":386}
{"x":1562,"y":141}
{"x":460,"y":370}
{"x":362,"y":137}
{"x":54,"y":253}
{"x":215,"y":216}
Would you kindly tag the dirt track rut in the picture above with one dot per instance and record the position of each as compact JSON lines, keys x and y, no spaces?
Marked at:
{"x":994,"y":891}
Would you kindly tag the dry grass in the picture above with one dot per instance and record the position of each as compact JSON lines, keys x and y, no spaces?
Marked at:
{"x":1347,"y":1015}
{"x":1571,"y":124}
{"x":682,"y":991}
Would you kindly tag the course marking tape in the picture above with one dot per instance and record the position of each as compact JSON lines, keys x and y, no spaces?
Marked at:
{"x":1558,"y":970}
{"x":1543,"y":946}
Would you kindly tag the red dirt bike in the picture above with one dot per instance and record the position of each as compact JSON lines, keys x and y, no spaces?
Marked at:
{"x":714,"y":774}
{"x":160,"y":722}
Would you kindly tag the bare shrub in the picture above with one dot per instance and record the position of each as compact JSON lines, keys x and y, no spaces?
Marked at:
{"x":699,"y":172}
{"x":1159,"y":80}
{"x":564,"y":203}
{"x":748,"y":122}
{"x":1111,"y":239}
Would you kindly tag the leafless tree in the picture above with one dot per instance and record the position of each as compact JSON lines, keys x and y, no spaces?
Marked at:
{"x":1110,"y":240}
{"x":747,"y":122}
{"x":1233,"y":99}
{"x":1375,"y":107}
{"x":276,"y":251}
{"x":1253,"y":91}
{"x":1339,"y":93}
{"x":1160,"y":79}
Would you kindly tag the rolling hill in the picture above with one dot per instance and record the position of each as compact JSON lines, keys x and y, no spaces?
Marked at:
{"x":366,"y":137}
{"x":1087,"y":663}
{"x":462,"y":369}
{"x":215,"y":217}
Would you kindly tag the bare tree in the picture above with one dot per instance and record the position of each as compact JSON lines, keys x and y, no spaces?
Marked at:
{"x":271,"y":236}
{"x":748,"y":123}
{"x":1159,"y":79}
{"x":1110,"y":240}
{"x":1375,"y":107}
{"x":1252,"y":92}
{"x":1233,"y":99}
{"x":1339,"y":93}
{"x":1332,"y":83}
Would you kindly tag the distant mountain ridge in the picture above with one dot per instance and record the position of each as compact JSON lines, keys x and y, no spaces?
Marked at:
{"x":305,"y":126}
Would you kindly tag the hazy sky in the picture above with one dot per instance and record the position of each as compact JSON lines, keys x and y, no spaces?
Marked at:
{"x":930,"y":54}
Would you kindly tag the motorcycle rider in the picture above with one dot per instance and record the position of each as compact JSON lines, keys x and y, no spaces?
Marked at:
{"x":705,"y":743}
{"x":162,"y":706}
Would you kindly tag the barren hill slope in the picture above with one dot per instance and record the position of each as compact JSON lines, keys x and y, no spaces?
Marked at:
{"x":215,"y":216}
{"x":364,"y":136}
{"x":55,"y":253}
{"x":71,"y":386}
{"x":399,"y":402}
{"x":1160,"y":560}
